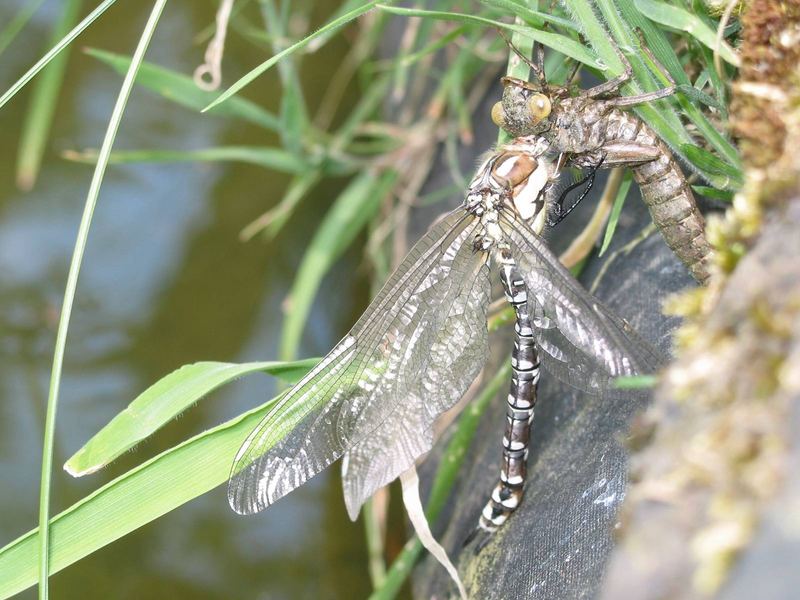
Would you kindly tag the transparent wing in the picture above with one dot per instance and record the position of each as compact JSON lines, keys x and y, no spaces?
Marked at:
{"x":362,"y":380}
{"x":583,"y":343}
{"x":453,"y":354}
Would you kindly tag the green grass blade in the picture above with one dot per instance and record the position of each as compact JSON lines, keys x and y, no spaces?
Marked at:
{"x":663,"y":51}
{"x":341,"y":10}
{"x":445,"y":477}
{"x":182,"y":90}
{"x":635,"y":382}
{"x":69,"y":292}
{"x":556,"y":41}
{"x":451,"y":93}
{"x":516,"y":68}
{"x":661,"y":116}
{"x":711,"y":76}
{"x":688,"y":97}
{"x":583,"y":12}
{"x":658,"y":43}
{"x":130,"y":501}
{"x":294,"y":116}
{"x":17,"y":24}
{"x":53,"y":52}
{"x":534,"y":17}
{"x":369,"y":102}
{"x":293,"y":112}
{"x":271,"y":158}
{"x":349,"y":214}
{"x":165,"y":400}
{"x":439,"y":43}
{"x":399,"y":64}
{"x":272,"y":221}
{"x":39,"y":117}
{"x":260,"y":69}
{"x":621,"y":17}
{"x":678,"y":18}
{"x":376,"y":549}
{"x":709,"y":192}
{"x":616,"y":210}
{"x":695,"y":95}
{"x":722,"y":175}
{"x":606,"y":39}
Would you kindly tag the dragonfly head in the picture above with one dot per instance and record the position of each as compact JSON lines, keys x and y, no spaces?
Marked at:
{"x":526,"y":108}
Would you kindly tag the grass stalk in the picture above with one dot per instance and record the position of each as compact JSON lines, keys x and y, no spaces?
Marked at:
{"x":325,"y":29}
{"x":69,"y":293}
{"x":445,"y":478}
{"x":45,"y":95}
{"x":374,"y":514}
{"x":54,"y":51}
{"x":17,"y":24}
{"x":516,"y":67}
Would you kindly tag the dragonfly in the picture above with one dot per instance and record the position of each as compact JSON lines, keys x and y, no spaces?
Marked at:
{"x":591,"y":129}
{"x":374,"y":399}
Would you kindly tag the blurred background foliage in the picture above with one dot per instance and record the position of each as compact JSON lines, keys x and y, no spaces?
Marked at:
{"x":346,"y":117}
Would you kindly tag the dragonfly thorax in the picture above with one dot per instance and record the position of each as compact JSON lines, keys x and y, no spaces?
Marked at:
{"x":513,"y":180}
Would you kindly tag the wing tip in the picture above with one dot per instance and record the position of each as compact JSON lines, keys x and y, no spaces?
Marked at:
{"x":244,"y":504}
{"x":241,"y":501}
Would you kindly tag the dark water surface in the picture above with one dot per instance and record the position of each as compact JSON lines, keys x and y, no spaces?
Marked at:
{"x":165,"y":282}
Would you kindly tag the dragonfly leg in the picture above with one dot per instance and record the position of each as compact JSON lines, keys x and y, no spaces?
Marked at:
{"x":640,"y":98}
{"x":507,"y":494}
{"x":622,"y":153}
{"x":612,"y":85}
{"x":537,"y":67}
{"x":652,"y":57}
{"x":558,"y":212}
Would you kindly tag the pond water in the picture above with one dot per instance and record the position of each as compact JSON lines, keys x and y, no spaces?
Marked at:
{"x":165,"y":282}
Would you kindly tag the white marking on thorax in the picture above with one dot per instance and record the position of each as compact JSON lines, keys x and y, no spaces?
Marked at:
{"x":525,"y":199}
{"x":504,"y":168}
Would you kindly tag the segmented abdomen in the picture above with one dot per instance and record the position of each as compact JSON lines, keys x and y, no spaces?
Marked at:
{"x":666,"y":193}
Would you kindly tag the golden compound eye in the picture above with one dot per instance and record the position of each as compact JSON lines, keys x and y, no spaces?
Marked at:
{"x":498,"y":116}
{"x":539,"y":105}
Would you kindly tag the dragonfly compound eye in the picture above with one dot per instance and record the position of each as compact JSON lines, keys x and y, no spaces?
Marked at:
{"x":539,"y":106}
{"x":498,"y":114}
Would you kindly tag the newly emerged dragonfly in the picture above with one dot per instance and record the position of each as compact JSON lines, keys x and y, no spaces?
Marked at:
{"x":590,"y":130}
{"x":422,"y":341}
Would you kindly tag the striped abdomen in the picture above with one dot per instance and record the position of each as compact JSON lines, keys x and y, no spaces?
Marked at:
{"x":507,"y":494}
